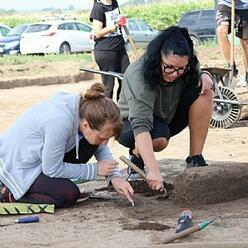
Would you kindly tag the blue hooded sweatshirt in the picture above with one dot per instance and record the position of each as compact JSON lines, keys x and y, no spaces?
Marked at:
{"x":37,"y":142}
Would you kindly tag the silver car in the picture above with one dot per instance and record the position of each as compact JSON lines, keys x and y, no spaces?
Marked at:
{"x":10,"y":44}
{"x":141,"y":32}
{"x":4,"y":30}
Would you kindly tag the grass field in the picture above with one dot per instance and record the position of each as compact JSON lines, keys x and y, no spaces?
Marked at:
{"x":21,"y":59}
{"x":158,"y":15}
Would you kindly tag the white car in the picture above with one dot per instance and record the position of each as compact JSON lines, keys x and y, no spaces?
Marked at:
{"x":57,"y":36}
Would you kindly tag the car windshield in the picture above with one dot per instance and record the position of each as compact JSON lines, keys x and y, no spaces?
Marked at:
{"x":17,"y":31}
{"x":4,"y":31}
{"x":38,"y":28}
{"x":145,"y":26}
{"x":83,"y":27}
{"x":132,"y":25}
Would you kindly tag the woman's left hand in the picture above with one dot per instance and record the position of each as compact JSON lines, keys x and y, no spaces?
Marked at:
{"x":123,"y":187}
{"x":205,"y":82}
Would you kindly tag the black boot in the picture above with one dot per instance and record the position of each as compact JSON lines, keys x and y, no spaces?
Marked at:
{"x":132,"y":174}
{"x":195,"y":161}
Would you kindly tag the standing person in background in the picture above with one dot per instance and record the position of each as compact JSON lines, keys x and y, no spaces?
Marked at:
{"x":52,"y":143}
{"x":223,"y":19}
{"x":162,"y":93}
{"x":109,"y":50}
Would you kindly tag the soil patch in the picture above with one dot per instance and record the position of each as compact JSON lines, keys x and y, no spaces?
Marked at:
{"x":41,"y":73}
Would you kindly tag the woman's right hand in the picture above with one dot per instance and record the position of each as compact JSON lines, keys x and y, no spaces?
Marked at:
{"x":112,"y":28}
{"x":106,"y":167}
{"x":155,"y":180}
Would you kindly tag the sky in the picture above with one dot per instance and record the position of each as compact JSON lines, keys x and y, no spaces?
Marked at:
{"x":27,"y":5}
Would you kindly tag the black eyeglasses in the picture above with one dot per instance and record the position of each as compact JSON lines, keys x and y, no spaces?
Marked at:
{"x":169,"y":69}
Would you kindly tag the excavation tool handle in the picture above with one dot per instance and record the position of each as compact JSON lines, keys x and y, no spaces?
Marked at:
{"x":232,"y":83}
{"x":182,"y":234}
{"x":131,"y":41}
{"x":29,"y":219}
{"x":188,"y":231}
{"x":141,"y":173}
{"x":108,"y":73}
{"x":133,"y":166}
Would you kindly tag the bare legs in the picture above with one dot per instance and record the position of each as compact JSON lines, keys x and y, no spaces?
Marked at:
{"x":224,"y":43}
{"x":199,"y":117}
{"x":244,"y":44}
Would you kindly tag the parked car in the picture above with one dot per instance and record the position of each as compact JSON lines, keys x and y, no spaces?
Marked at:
{"x":141,"y":32}
{"x":4,"y":30}
{"x":56,"y":36}
{"x":200,"y":23}
{"x":10,"y":44}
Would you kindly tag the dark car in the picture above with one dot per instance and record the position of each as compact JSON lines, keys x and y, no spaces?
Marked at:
{"x":141,"y":32}
{"x":10,"y":44}
{"x":201,"y":24}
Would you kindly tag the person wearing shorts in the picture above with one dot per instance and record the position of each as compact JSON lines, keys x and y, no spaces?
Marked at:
{"x":223,"y":20}
{"x":163,"y":92}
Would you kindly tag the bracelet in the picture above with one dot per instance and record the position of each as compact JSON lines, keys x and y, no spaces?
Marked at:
{"x":208,"y":73}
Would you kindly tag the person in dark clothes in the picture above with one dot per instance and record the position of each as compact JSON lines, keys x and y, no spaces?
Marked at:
{"x":109,"y":50}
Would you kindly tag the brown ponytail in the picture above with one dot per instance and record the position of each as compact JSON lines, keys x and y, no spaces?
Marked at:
{"x":97,"y":109}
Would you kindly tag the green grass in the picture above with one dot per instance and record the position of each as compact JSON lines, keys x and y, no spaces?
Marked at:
{"x":159,"y":15}
{"x":208,"y":44}
{"x":17,"y":18}
{"x":164,"y":14}
{"x":19,"y":60}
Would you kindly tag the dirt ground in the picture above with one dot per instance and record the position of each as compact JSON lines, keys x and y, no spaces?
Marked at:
{"x":113,"y":222}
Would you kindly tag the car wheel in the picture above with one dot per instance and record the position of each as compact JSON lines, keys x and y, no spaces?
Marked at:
{"x":64,"y":48}
{"x":195,"y":40}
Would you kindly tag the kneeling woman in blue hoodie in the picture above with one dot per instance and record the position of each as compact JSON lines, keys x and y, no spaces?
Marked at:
{"x":52,"y":142}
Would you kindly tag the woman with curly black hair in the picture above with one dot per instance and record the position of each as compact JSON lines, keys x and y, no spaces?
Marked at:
{"x":164,"y":92}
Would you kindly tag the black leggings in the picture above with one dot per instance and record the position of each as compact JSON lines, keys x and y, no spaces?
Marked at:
{"x":116,"y":61}
{"x":61,"y":192}
{"x":58,"y":191}
{"x":46,"y":190}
